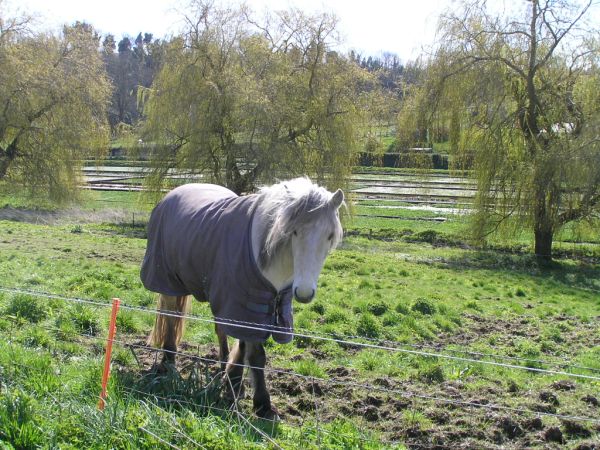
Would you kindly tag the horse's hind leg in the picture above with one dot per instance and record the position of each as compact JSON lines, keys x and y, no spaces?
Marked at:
{"x":257,"y":359}
{"x":168,"y":328}
{"x":234,"y":372}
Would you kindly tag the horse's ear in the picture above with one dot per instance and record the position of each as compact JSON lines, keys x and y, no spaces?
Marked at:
{"x":337,"y":199}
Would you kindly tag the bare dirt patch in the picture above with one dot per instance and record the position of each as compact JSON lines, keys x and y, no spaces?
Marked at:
{"x":413,"y":412}
{"x":476,"y":327}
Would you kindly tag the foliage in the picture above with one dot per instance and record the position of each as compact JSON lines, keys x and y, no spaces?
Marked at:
{"x":27,"y":307}
{"x":519,"y":94}
{"x":50,"y":370}
{"x":132,"y":66}
{"x":53,"y":100}
{"x":424,"y":306}
{"x":18,"y":422}
{"x":84,"y":318}
{"x":245,"y":106}
{"x":368,"y":326}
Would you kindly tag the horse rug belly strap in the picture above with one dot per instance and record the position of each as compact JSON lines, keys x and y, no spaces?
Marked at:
{"x":200,"y":243}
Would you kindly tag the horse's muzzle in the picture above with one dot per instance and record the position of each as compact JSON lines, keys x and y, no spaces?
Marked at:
{"x":306,"y":299}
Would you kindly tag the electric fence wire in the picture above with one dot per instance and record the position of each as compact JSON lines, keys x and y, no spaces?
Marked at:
{"x":315,"y":336}
{"x":364,"y":386}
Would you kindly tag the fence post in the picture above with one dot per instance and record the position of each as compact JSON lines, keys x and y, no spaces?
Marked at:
{"x":112,"y":328}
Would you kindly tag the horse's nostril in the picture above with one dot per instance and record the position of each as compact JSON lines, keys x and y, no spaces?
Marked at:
{"x":304,"y":299}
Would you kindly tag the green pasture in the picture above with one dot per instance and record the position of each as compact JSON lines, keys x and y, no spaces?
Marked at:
{"x":400,"y":282}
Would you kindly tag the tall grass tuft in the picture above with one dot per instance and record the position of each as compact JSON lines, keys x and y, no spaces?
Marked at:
{"x":27,"y":307}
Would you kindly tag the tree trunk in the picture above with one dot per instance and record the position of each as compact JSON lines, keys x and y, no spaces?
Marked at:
{"x":7,"y":156}
{"x":543,"y":227}
{"x":543,"y":243}
{"x":4,"y":163}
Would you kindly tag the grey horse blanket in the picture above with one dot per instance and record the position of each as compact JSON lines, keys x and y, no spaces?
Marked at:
{"x":199,"y":243}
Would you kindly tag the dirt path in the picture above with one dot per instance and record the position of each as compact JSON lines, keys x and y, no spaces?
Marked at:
{"x":68,"y":216}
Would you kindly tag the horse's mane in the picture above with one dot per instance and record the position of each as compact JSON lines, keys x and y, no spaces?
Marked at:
{"x":288,"y":206}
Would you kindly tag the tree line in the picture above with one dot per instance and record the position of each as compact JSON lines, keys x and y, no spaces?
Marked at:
{"x":129,"y":64}
{"x":513,"y":95}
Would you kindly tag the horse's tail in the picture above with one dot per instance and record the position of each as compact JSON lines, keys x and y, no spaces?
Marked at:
{"x":168,"y":329}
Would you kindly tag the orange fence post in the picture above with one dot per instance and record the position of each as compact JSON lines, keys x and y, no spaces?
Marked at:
{"x":112,"y":329}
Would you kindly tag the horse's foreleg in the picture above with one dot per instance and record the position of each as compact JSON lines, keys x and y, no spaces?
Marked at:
{"x":257,"y":359}
{"x":223,"y":347}
{"x":234,"y":371}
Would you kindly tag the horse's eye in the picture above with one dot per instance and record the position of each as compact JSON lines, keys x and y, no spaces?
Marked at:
{"x":330,"y":238}
{"x":295,"y":233}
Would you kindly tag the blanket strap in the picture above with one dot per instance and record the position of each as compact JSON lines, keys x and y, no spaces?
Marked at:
{"x":261,"y":308}
{"x":271,"y":309}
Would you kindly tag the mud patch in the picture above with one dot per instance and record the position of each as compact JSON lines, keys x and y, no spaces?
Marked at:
{"x":398,"y":412}
{"x":477,"y":328}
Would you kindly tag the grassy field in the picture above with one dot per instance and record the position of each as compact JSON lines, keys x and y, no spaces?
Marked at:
{"x":407,"y":286}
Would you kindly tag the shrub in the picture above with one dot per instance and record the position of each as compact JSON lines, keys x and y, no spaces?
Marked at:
{"x":377,"y":308}
{"x":429,"y":236}
{"x":554,"y":334}
{"x":443,"y":323}
{"x":424,"y":306}
{"x":18,"y":422}
{"x":368,"y":326}
{"x":335,"y":315}
{"x":402,"y":308}
{"x":472,"y":304}
{"x":389,"y":319}
{"x":416,"y":419}
{"x":77,"y":229}
{"x":431,"y":373}
{"x":84,"y":319}
{"x":309,"y":368}
{"x":127,"y":322}
{"x":319,"y":308}
{"x":368,"y":361}
{"x":27,"y":307}
{"x":36,"y":337}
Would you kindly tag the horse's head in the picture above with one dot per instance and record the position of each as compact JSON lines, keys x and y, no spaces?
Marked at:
{"x":307,"y":224}
{"x":311,"y":242}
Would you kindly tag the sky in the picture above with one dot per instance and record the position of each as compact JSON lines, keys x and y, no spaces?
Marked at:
{"x":366,"y":26}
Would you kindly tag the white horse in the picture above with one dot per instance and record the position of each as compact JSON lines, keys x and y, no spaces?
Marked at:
{"x":248,"y":256}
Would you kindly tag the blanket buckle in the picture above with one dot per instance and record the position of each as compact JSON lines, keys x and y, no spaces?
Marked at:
{"x":276,"y":305}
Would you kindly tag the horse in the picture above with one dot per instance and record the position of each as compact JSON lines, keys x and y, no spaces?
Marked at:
{"x":248,"y":256}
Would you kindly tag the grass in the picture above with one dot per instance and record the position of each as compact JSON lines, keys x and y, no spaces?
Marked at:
{"x":404,"y":281}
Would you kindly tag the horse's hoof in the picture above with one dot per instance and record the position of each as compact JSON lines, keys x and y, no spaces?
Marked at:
{"x":159,"y":368}
{"x":232,"y":391}
{"x":231,"y":398}
{"x":166,"y":366}
{"x":267,"y":414}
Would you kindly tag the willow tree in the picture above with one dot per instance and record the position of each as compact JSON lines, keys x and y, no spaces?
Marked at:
{"x":246,"y":102}
{"x":53,"y":100}
{"x":522,"y":88}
